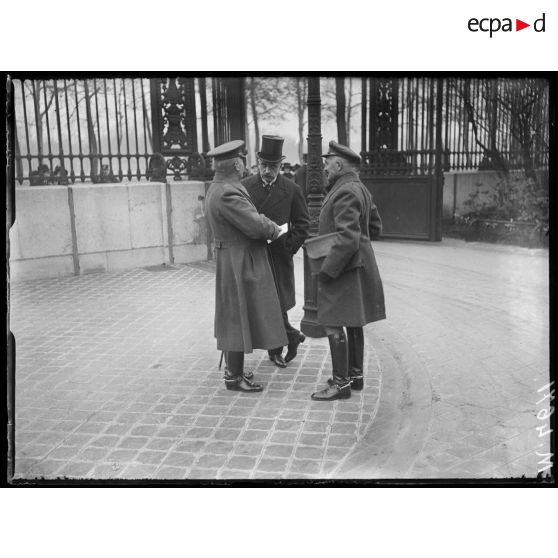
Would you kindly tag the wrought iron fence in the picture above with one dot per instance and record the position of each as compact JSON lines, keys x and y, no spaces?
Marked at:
{"x":484,"y":124}
{"x":115,"y":129}
{"x":68,"y":130}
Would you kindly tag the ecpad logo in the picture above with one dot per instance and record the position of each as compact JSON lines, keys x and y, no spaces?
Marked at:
{"x":494,"y":24}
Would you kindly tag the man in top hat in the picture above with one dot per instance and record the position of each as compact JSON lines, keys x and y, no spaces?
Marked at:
{"x":282,"y":201}
{"x":350,"y":291}
{"x":247,"y":310}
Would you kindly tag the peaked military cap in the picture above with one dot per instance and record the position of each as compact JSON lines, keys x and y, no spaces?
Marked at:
{"x":227,"y":150}
{"x":338,"y":150}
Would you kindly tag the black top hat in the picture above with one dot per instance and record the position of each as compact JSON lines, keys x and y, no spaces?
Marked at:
{"x":272,"y":149}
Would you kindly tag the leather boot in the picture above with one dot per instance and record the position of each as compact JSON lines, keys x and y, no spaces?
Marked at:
{"x":339,"y":387}
{"x":355,"y":338}
{"x":235,"y":380}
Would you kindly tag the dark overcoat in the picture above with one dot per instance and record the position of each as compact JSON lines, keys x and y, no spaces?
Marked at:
{"x":284,"y":204}
{"x":247,"y":311}
{"x":355,"y":296}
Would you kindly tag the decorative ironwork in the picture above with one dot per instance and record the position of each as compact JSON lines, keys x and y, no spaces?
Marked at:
{"x":314,"y":186}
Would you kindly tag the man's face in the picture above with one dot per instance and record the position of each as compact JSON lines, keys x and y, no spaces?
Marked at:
{"x":268,"y":171}
{"x":241,"y":166}
{"x":332,"y":167}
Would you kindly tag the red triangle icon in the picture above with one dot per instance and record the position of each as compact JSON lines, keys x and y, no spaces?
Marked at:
{"x":519,"y":25}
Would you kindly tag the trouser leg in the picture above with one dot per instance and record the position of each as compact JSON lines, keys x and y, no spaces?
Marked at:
{"x":355,"y":340}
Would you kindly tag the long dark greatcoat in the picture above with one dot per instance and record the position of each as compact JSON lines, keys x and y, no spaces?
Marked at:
{"x":355,"y":296}
{"x":247,"y":310}
{"x":284,"y":204}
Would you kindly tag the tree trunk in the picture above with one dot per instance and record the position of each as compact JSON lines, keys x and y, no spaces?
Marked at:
{"x":349,"y":112}
{"x":38,"y":121}
{"x":301,"y":108}
{"x":254,"y":114}
{"x":340,"y":103}
{"x":91,"y":135}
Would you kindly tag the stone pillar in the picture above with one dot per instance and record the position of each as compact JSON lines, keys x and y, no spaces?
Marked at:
{"x":314,"y":197}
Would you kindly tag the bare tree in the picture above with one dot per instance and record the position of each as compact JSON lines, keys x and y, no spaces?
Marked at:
{"x":340,"y":110}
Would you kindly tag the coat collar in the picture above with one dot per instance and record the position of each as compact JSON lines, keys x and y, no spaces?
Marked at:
{"x":262,"y":199}
{"x":348,"y":176}
{"x":235,"y":183}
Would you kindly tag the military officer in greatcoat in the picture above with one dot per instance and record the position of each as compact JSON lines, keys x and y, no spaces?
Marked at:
{"x":247,"y":309}
{"x":350,"y":291}
{"x":282,"y":201}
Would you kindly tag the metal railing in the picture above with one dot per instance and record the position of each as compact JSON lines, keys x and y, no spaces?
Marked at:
{"x":75,"y":130}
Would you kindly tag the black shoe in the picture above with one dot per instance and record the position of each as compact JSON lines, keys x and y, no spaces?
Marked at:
{"x":241,"y":383}
{"x":278,"y":360}
{"x":339,"y":388}
{"x":293,"y":347}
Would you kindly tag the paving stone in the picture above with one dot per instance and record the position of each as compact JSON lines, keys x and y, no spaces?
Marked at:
{"x":117,"y":429}
{"x":309,"y":452}
{"x":160,"y":444}
{"x":278,"y":450}
{"x":46,"y":469}
{"x":242,"y":462}
{"x":314,"y":426}
{"x":251,"y":449}
{"x":308,"y":466}
{"x":229,"y":434}
{"x":179,"y":459}
{"x":92,"y":454}
{"x":76,"y":469}
{"x":166,"y":472}
{"x":199,"y":433}
{"x":138,"y":471}
{"x":313,"y":438}
{"x":288,"y":425}
{"x":133,"y":442}
{"x":232,"y":474}
{"x":254,"y":435}
{"x":269,"y":464}
{"x":150,"y":457}
{"x":209,"y":421}
{"x":219,"y":447}
{"x":144,"y":430}
{"x":202,"y":474}
{"x":189,"y":446}
{"x":261,"y":424}
{"x":283,"y":438}
{"x":122,"y":455}
{"x":211,"y":461}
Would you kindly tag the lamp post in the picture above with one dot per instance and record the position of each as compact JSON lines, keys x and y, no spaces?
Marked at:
{"x":315,"y":194}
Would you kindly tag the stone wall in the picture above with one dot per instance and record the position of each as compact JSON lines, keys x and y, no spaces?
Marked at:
{"x":89,"y":228}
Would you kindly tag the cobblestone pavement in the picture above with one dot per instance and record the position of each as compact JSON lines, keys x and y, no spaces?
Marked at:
{"x":117,"y":377}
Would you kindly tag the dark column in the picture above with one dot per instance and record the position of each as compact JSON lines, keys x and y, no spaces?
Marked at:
{"x":439,"y":170}
{"x":315,"y":195}
{"x":203,"y":103}
{"x":236,"y":108}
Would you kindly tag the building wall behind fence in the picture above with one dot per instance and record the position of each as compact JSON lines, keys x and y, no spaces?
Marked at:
{"x":61,"y":230}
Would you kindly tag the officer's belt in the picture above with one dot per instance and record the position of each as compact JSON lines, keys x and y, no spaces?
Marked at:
{"x":220,"y":244}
